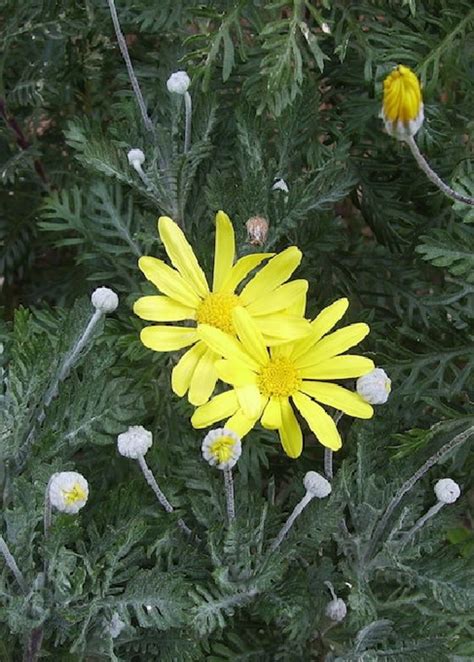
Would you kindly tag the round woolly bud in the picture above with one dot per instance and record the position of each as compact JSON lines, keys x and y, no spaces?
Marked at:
{"x":317,"y":485}
{"x":136,"y":158}
{"x":178,"y":82}
{"x":446,"y":490}
{"x":68,"y":491}
{"x":336,"y":610}
{"x":104,"y":300}
{"x":135,"y":442}
{"x":116,"y":625}
{"x":374,"y":387}
{"x":221,"y":448}
{"x":280,"y":185}
{"x":257,"y":230}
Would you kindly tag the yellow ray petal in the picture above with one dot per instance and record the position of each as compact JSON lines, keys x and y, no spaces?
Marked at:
{"x":162,"y":309}
{"x":167,"y":338}
{"x":273,"y":274}
{"x":298,"y":306}
{"x":233,"y":372}
{"x":203,"y":381}
{"x":241,"y":269}
{"x":249,"y":398}
{"x":281,"y":299}
{"x":240,"y":423}
{"x":182,"y":255}
{"x":271,"y":417}
{"x":168,"y":281}
{"x":280,"y":328}
{"x":340,"y":398}
{"x":333,"y":344}
{"x":224,"y":252}
{"x":249,"y":335}
{"x":291,"y":436}
{"x":221,"y":406}
{"x":339,"y":367}
{"x":319,"y":421}
{"x":225,"y":345}
{"x":184,"y":370}
{"x":322,"y":324}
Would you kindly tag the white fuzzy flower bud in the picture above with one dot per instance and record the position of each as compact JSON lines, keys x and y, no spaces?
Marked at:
{"x":136,"y":158}
{"x":104,"y":300}
{"x":221,"y":448}
{"x":317,"y":485}
{"x":257,"y":230}
{"x":135,"y":442}
{"x":280,"y":185}
{"x":374,"y":387}
{"x":178,"y":82}
{"x":68,"y":491}
{"x":336,"y":610}
{"x":116,"y":625}
{"x":446,"y":490}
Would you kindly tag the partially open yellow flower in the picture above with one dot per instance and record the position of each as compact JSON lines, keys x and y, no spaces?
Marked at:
{"x":276,"y":307}
{"x":402,"y":109}
{"x":265,"y":380}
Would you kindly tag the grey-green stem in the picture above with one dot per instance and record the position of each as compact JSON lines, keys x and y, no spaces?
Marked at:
{"x":433,"y":177}
{"x":298,"y":509}
{"x":12,"y":564}
{"x":229,"y":494}
{"x":421,"y":522}
{"x":187,"y":129}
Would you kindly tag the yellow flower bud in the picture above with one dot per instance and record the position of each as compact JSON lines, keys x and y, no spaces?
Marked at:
{"x":402,"y":109}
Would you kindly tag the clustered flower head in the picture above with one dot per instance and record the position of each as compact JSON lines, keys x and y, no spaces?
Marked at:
{"x":135,"y":442}
{"x":104,"y":300}
{"x":221,"y":448}
{"x":248,"y":329}
{"x":402,"y":109}
{"x":68,"y":491}
{"x":447,"y":490}
{"x":178,"y":82}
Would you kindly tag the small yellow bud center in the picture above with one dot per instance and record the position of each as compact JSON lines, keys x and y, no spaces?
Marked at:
{"x":279,"y":378}
{"x":216,"y":310}
{"x":222,"y":449}
{"x":76,"y":493}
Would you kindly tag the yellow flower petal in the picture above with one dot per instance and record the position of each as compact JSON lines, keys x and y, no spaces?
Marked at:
{"x":225,"y":345}
{"x":322,"y":324}
{"x":203,"y":381}
{"x":271,"y":417}
{"x":249,"y":400}
{"x":183,"y":371}
{"x":319,"y":421}
{"x":167,"y":338}
{"x":291,"y":436}
{"x":340,"y":398}
{"x":249,"y":335}
{"x":221,"y":406}
{"x":402,"y":95}
{"x":281,"y":299}
{"x":224,"y":251}
{"x":280,"y":328}
{"x":241,"y":269}
{"x":333,"y":344}
{"x":272,"y":275}
{"x":168,"y":281}
{"x":182,"y":255}
{"x":233,"y":372}
{"x":339,"y":367}
{"x":162,"y":309}
{"x":240,"y":423}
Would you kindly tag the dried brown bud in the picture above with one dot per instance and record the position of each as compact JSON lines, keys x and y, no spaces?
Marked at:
{"x":257,"y":230}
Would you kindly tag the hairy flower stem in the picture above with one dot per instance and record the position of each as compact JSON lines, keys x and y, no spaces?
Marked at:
{"x":432,"y":176}
{"x":150,"y":479}
{"x":187,"y":129}
{"x":291,"y":520}
{"x":328,"y":453}
{"x":229,"y":494}
{"x":12,"y":564}
{"x":33,"y":647}
{"x":408,"y":484}
{"x":417,"y":526}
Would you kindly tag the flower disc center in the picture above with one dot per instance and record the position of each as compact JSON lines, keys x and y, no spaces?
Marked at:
{"x":216,"y":310}
{"x":75,"y":494}
{"x":223,"y":449}
{"x":279,"y":378}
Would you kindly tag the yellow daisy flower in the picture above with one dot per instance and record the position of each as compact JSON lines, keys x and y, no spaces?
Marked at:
{"x":276,"y":307}
{"x":265,"y":380}
{"x":402,"y":109}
